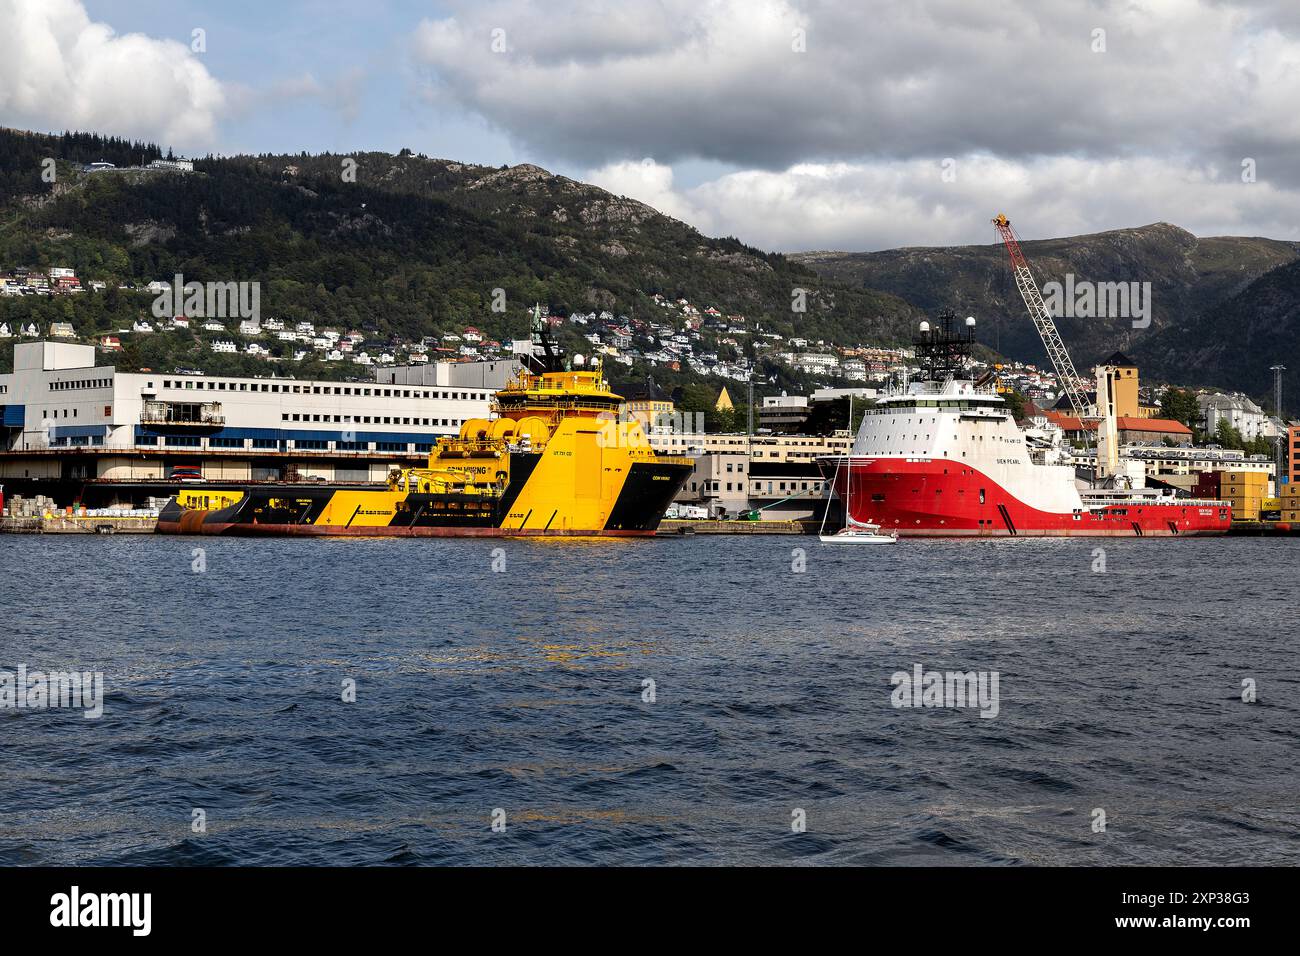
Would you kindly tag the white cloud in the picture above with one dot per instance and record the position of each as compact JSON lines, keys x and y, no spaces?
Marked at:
{"x":878,"y":205}
{"x":651,"y":183}
{"x":840,"y":145}
{"x":60,"y":70}
{"x":722,"y":80}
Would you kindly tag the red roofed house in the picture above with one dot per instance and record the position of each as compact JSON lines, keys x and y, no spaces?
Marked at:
{"x":1130,"y":429}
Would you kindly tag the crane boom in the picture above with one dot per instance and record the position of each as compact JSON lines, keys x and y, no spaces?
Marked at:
{"x":1056,"y":350}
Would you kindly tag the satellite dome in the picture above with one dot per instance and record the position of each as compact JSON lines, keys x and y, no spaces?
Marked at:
{"x":970,"y":321}
{"x":925,"y":326}
{"x":579,"y":361}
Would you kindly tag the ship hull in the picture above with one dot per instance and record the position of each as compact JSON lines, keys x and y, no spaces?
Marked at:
{"x":944,"y":498}
{"x":234,"y":529}
{"x":635,"y":510}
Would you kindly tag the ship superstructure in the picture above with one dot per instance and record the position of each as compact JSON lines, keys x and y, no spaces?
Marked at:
{"x":943,"y":455}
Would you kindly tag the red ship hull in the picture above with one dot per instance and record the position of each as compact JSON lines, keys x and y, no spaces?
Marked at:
{"x":943,"y":498}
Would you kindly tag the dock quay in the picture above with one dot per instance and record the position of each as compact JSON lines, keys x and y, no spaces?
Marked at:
{"x":681,"y":526}
{"x":1260,"y":529}
{"x":78,"y":524}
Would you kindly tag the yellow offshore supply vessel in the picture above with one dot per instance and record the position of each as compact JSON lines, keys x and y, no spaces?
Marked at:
{"x":558,"y":459}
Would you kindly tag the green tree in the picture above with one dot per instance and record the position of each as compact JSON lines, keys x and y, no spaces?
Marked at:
{"x":1228,"y":436}
{"x":1015,"y":404}
{"x":1259,"y":445}
{"x":1180,"y":405}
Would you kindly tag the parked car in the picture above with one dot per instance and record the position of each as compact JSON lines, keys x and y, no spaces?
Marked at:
{"x":186,"y":473}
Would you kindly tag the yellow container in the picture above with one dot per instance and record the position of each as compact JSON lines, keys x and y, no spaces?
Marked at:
{"x":1244,"y":487}
{"x":1257,"y":493}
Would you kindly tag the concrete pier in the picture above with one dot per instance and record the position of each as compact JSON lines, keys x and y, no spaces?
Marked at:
{"x":65,"y":524}
{"x":679,"y":526}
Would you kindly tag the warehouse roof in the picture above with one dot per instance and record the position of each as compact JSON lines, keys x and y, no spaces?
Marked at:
{"x":1125,"y":423}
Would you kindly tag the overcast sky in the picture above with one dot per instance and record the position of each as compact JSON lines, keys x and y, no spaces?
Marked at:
{"x":823,"y":124}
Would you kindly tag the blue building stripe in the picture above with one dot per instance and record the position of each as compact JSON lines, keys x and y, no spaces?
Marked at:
{"x":300,"y":434}
{"x":78,"y":431}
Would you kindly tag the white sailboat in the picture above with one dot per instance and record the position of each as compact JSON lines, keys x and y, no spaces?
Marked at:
{"x":854,"y":531}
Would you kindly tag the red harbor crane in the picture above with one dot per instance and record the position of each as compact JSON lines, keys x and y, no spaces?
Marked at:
{"x":1056,"y":350}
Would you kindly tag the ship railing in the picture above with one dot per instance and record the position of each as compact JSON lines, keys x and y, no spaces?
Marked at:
{"x":471,"y":444}
{"x":946,"y":387}
{"x":1103,"y":501}
{"x":549,"y":403}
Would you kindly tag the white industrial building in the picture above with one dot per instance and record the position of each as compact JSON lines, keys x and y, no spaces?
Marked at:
{"x":1239,"y":412}
{"x":58,"y":406}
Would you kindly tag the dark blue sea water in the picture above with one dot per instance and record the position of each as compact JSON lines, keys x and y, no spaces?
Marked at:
{"x":523,"y":690}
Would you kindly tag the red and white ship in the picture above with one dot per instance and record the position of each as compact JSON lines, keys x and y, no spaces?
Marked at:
{"x":943,"y":456}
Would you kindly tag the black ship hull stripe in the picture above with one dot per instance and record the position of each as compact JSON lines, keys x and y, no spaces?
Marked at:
{"x":1006,"y":518}
{"x":521,"y":469}
{"x":647,"y":491}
